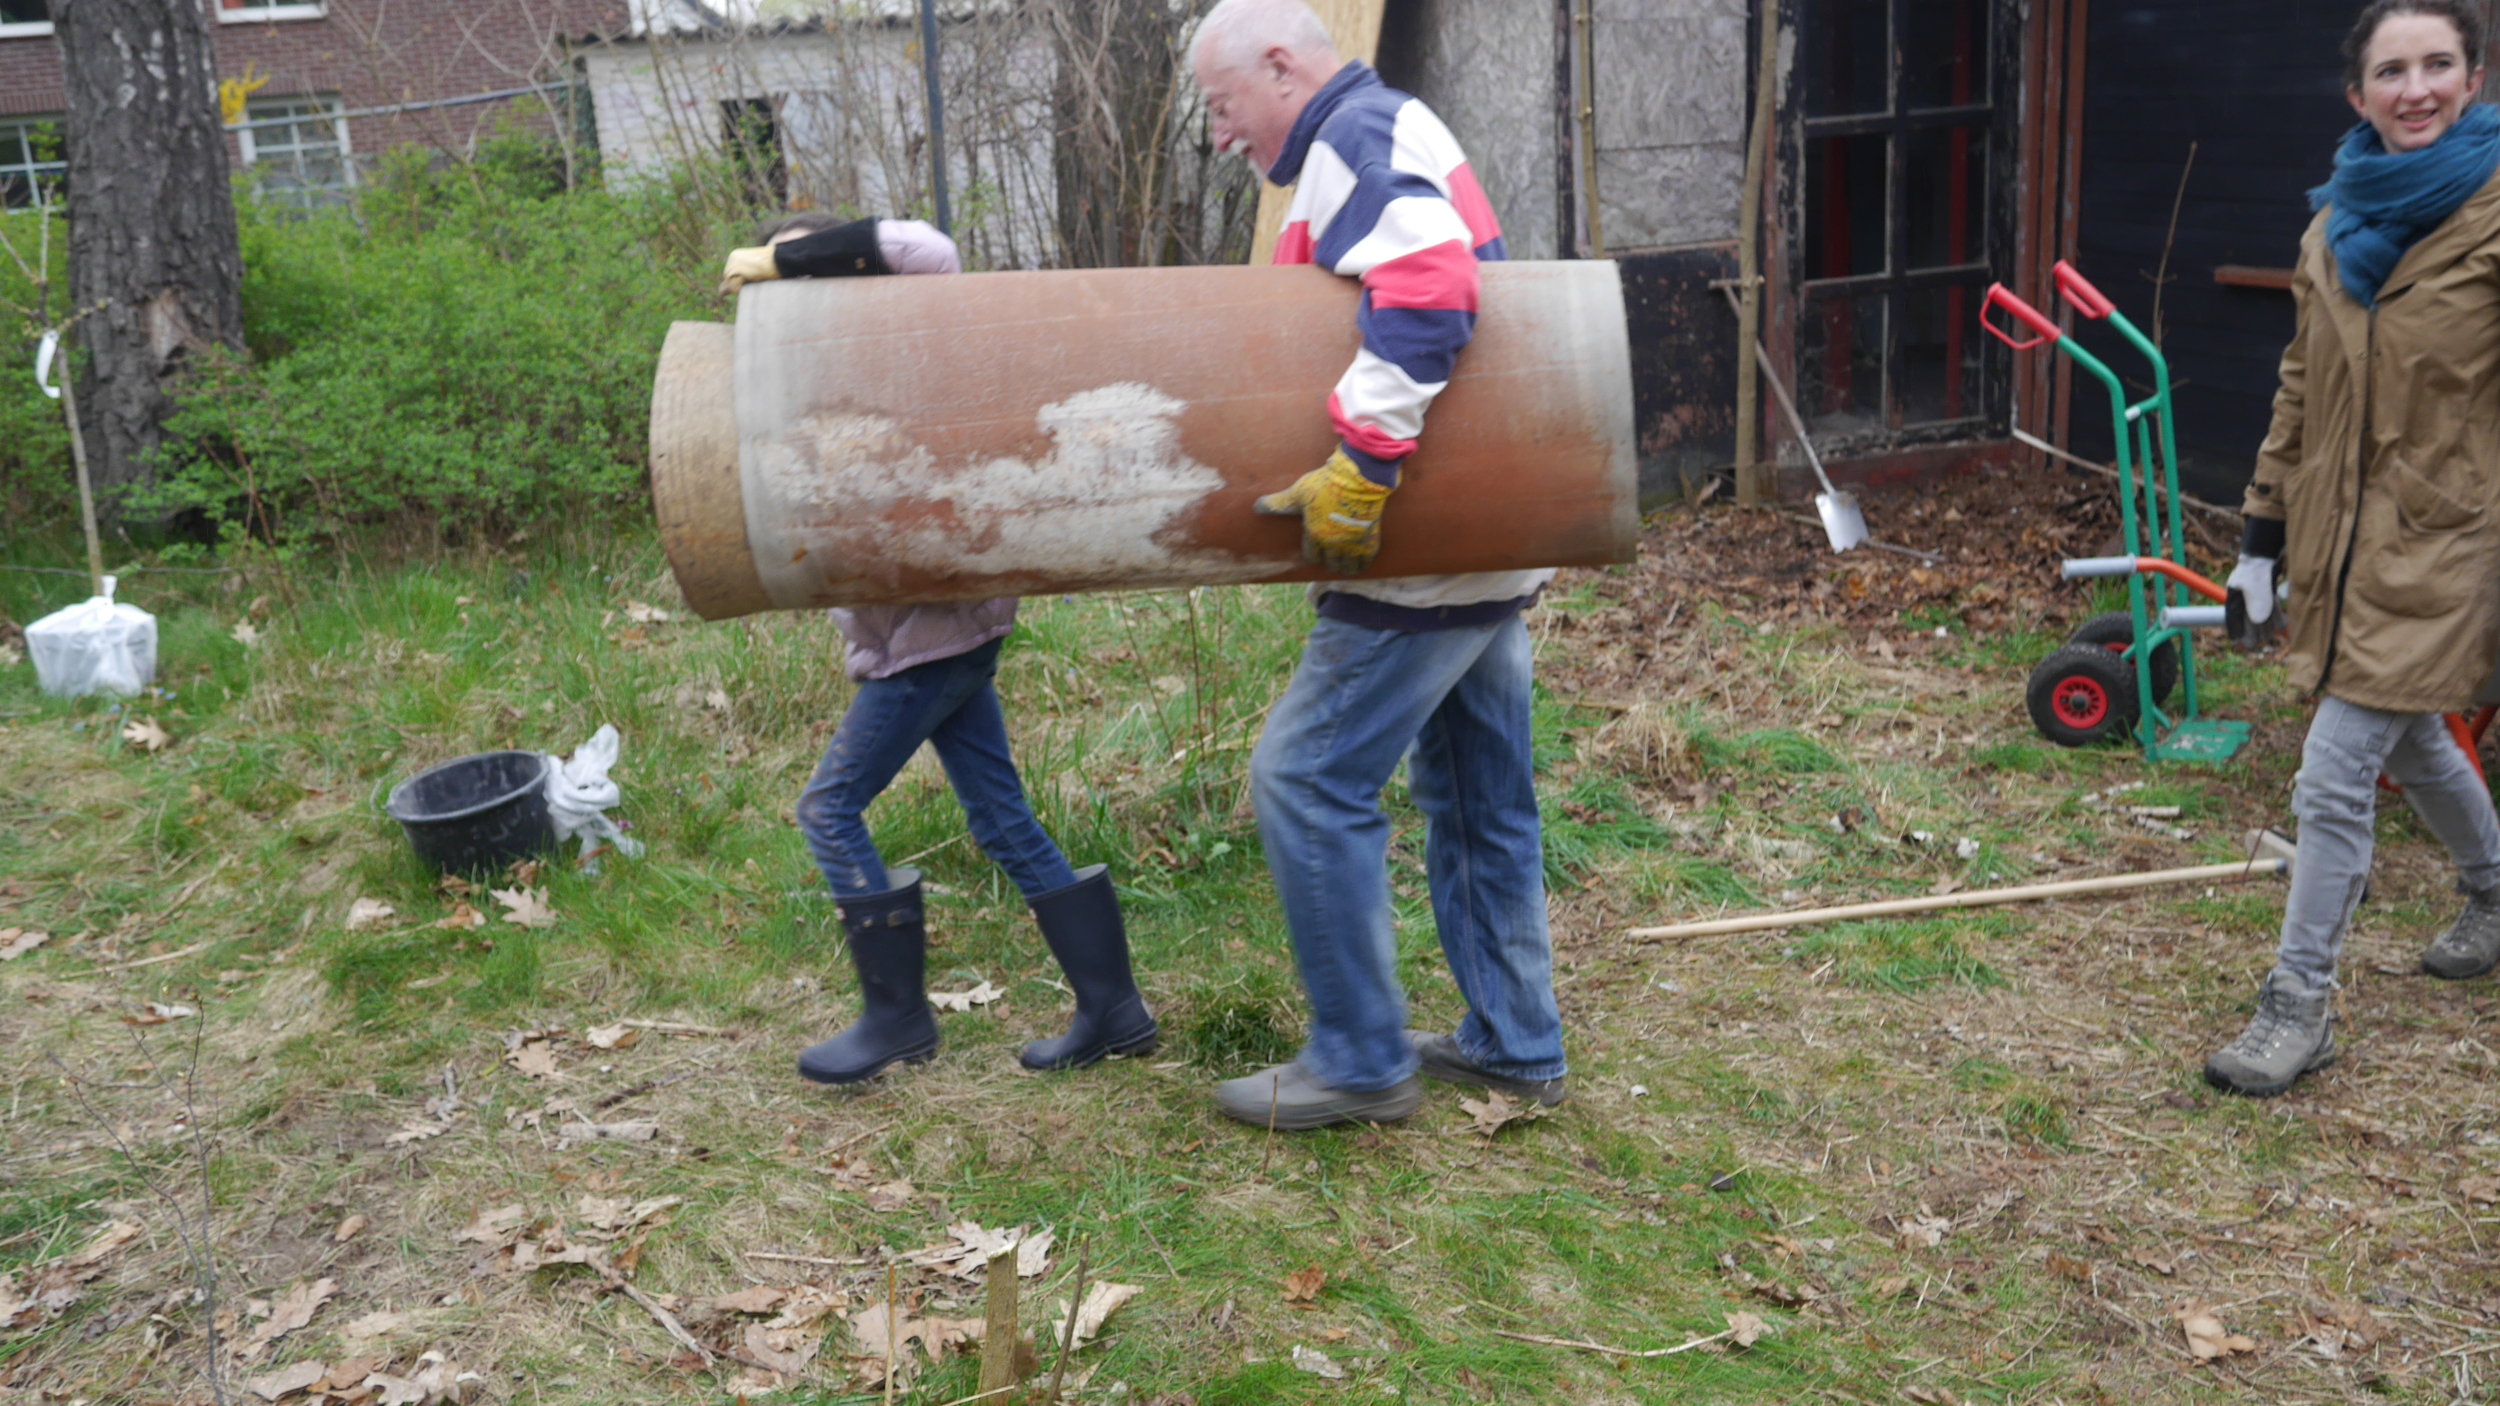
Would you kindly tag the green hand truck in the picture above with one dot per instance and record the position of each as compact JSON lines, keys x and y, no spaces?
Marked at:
{"x":2116,"y":675}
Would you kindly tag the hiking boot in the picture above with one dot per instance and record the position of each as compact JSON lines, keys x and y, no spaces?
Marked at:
{"x":2292,"y":1033}
{"x":1288,"y":1099}
{"x":2471,"y":945}
{"x":890,"y":949}
{"x":1081,"y":923}
{"x":1440,"y":1058}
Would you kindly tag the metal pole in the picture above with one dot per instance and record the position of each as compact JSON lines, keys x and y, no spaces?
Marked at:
{"x":937,"y":113}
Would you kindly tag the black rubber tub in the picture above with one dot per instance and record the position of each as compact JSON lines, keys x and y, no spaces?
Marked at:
{"x":474,"y":815}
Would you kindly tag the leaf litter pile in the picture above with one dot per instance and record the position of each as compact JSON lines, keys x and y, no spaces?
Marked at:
{"x":1942,"y":1160}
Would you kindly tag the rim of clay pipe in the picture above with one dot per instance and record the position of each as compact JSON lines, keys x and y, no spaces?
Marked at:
{"x":695,"y":488}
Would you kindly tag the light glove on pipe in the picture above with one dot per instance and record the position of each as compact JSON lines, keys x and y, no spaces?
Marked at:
{"x":748,"y":266}
{"x":2248,"y":610}
{"x":1340,"y":511}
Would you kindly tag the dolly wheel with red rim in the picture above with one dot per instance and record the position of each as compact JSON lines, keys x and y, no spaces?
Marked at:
{"x":2115,"y":632}
{"x":2082,"y":694}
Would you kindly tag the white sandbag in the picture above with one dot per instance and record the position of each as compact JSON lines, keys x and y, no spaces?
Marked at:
{"x":94,"y":646}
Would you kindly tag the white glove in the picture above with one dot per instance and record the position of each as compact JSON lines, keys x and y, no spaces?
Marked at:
{"x":746,"y":266}
{"x":2253,"y":578}
{"x":2249,"y":601}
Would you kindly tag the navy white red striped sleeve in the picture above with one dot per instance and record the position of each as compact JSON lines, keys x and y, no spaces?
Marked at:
{"x":1385,"y":196}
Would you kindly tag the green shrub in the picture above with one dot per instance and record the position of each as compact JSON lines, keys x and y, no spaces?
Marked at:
{"x":470,"y":344}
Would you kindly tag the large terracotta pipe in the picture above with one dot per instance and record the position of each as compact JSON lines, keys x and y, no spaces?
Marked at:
{"x":895,"y":440}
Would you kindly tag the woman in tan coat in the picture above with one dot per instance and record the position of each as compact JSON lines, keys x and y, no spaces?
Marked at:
{"x":2373,"y":498}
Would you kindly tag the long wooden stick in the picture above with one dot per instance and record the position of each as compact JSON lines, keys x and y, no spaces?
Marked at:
{"x":1585,"y":1346}
{"x":1749,"y":266}
{"x":1976,"y":898}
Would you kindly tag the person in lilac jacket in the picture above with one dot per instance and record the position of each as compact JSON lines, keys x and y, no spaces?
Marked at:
{"x":926,"y":674}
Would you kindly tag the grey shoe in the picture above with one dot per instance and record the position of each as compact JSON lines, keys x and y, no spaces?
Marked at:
{"x":2471,"y":945}
{"x":2292,"y":1033}
{"x":1442,"y":1060}
{"x":1287,"y":1098}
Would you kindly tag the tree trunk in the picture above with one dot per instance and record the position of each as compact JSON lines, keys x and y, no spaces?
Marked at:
{"x":1117,"y":64}
{"x":152,"y":233}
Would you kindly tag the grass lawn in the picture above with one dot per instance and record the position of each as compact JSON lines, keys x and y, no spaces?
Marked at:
{"x":1958,"y":1159}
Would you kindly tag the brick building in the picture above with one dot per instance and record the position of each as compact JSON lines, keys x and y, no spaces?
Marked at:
{"x":324,"y":66}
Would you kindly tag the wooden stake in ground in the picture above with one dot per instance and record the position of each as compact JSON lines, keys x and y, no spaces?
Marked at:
{"x":1976,"y":898}
{"x":998,"y":1334}
{"x":1067,"y":1340}
{"x":890,"y":1335}
{"x":1749,"y":267}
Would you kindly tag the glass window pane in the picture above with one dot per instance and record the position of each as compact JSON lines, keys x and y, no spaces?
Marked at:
{"x":1845,"y":44}
{"x":1946,"y":188}
{"x":1845,"y":205}
{"x":1940,"y":356}
{"x":1840,"y":366}
{"x":24,"y":12}
{"x":1945,"y":53}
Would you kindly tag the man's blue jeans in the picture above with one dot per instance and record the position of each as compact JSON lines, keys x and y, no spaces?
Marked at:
{"x":951,"y":705}
{"x":1460,"y":700}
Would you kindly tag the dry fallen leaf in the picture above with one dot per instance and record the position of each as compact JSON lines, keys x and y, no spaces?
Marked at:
{"x":536,"y":1060}
{"x":1891,"y":1286}
{"x":369,"y":913}
{"x":347,"y":1230}
{"x":244,"y":634}
{"x":2153,"y":1260}
{"x":144,"y":734}
{"x":492,"y":1226}
{"x":1317,"y":1363}
{"x":378,"y":1324}
{"x":2482,"y":1190}
{"x":291,"y":1312}
{"x":17,"y":942}
{"x":1924,"y":1231}
{"x":415,"y":1130}
{"x":612,"y":1037}
{"x":1746,"y":1329}
{"x":967,"y":1256}
{"x":462,"y":916}
{"x":762,"y":1298}
{"x":642,"y":614}
{"x":1931,"y":1396}
{"x":572,"y":1133}
{"x":288,"y":1380}
{"x":980,"y":995}
{"x":1494,"y":1112}
{"x":527,"y":907}
{"x":1102,"y":1299}
{"x":891,"y":1196}
{"x":436,"y":1379}
{"x":1303,"y":1285}
{"x":935,"y":1335}
{"x":2207,"y":1339}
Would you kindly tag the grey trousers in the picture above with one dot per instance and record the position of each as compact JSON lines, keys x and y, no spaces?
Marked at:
{"x":2336,"y":800}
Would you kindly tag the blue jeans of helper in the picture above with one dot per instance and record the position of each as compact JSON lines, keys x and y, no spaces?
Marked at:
{"x":1459,"y":699}
{"x":952,"y":705}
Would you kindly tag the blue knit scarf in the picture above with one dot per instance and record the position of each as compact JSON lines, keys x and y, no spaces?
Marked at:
{"x":2386,"y":201}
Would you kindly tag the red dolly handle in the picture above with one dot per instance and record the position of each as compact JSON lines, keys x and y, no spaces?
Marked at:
{"x":2080,"y":294}
{"x":1999,"y":296}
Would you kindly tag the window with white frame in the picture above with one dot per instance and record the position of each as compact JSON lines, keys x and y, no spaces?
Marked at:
{"x":33,"y":166}
{"x":24,"y":19}
{"x":298,"y":148}
{"x":247,"y":11}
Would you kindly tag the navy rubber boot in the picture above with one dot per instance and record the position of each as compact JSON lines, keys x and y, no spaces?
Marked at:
{"x":890,"y":949}
{"x":1082,"y":925}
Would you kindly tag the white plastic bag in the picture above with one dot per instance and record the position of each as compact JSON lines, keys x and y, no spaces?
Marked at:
{"x":94,"y":646}
{"x":579,"y":794}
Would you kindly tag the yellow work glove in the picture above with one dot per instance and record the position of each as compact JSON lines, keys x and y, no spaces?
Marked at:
{"x":748,"y":266}
{"x":1340,"y":511}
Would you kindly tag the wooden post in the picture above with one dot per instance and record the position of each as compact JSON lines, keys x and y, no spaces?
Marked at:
{"x":1585,"y":22}
{"x":998,"y":1335}
{"x":1749,"y":263}
{"x":78,"y":457}
{"x":1354,"y":26}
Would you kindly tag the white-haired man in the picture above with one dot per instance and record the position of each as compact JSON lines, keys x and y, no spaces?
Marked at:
{"x":1431,"y":669}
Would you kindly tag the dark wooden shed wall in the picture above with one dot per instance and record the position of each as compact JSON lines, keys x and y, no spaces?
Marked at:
{"x":2257,"y":85}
